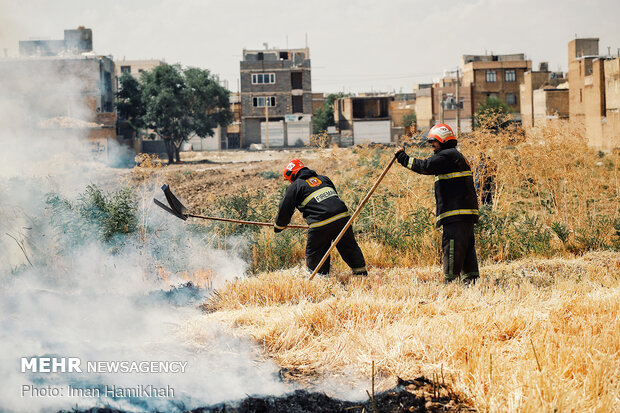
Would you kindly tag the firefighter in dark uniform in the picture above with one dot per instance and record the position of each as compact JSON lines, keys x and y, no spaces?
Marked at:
{"x":316,"y":198}
{"x":457,"y":203}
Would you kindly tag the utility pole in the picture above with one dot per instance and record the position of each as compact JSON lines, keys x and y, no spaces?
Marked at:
{"x":266,"y":123}
{"x":458,"y":103}
{"x":441,"y":102}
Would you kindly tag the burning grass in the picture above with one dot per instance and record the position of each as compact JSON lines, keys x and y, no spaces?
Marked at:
{"x":532,"y":335}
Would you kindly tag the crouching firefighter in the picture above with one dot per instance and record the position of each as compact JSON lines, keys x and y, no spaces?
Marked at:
{"x":457,"y":203}
{"x":316,"y":198}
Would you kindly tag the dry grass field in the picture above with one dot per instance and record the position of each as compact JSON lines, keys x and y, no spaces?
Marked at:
{"x":538,"y":332}
{"x":533,"y":335}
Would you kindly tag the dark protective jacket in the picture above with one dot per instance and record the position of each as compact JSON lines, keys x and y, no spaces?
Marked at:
{"x":455,"y":194}
{"x":315,"y":197}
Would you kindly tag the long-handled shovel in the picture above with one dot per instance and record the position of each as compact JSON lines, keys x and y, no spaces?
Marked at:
{"x":177,"y":209}
{"x":355,"y":214}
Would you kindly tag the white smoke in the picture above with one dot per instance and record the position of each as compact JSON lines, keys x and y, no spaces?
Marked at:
{"x":66,"y":293}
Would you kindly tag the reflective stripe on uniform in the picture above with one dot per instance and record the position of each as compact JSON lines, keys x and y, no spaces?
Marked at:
{"x":457,"y":212}
{"x":329,"y":220}
{"x":410,"y":163}
{"x":359,"y":270}
{"x":453,"y":175}
{"x":319,"y":195}
{"x":278,"y":226}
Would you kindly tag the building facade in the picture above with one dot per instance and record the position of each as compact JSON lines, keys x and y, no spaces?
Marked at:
{"x":594,"y":93}
{"x":366,"y":119}
{"x":495,"y":76}
{"x":276,"y":97}
{"x":544,"y":97}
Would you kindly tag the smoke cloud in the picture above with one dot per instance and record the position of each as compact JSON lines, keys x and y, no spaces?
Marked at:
{"x":66,"y":293}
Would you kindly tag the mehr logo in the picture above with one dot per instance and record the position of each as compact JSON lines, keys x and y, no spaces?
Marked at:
{"x":314,"y":181}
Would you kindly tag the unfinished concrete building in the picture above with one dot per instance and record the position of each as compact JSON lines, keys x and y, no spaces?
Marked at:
{"x":276,"y":97}
{"x":366,"y":119}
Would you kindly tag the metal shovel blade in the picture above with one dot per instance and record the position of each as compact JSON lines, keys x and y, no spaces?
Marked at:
{"x":165,"y":208}
{"x":174,"y":202}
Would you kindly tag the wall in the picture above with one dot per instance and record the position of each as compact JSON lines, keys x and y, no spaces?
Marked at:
{"x":424,"y":112}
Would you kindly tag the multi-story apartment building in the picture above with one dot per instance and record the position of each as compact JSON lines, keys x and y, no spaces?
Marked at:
{"x":594,"y":93}
{"x":497,"y":76}
{"x":276,"y":97}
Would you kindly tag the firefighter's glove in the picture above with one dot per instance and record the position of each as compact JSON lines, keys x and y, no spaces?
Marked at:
{"x":402,"y":157}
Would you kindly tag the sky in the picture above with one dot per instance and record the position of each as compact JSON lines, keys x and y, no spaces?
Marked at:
{"x":355,"y":46}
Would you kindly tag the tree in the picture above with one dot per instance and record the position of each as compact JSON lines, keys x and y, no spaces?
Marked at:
{"x":180,"y":102}
{"x":409,"y":119}
{"x":129,"y":101}
{"x":324,"y":115}
{"x":493,"y":114}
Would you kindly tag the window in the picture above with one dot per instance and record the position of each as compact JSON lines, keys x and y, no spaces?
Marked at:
{"x":261,"y":102}
{"x":491,"y":76}
{"x":511,"y":75}
{"x":125,"y":69}
{"x":511,"y":98}
{"x":262,"y":78}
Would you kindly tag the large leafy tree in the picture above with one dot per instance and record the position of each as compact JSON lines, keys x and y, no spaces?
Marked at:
{"x":181,"y":102}
{"x":129,"y":101}
{"x":324,"y":115}
{"x":493,"y":114}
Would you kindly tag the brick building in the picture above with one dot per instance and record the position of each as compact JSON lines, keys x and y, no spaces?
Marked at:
{"x":543,"y":96}
{"x":594,"y":93}
{"x":497,"y":76}
{"x":447,"y":109}
{"x":276,"y":97}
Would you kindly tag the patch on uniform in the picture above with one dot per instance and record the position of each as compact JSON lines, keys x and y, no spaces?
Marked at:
{"x":324,"y":193}
{"x":314,"y":181}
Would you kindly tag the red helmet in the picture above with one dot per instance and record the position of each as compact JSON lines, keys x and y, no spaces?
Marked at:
{"x":441,"y":133}
{"x":294,"y":166}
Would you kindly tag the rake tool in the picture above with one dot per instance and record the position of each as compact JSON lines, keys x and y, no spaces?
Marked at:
{"x":179,"y":210}
{"x":355,"y":214}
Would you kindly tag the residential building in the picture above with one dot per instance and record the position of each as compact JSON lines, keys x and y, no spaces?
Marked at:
{"x":543,"y":97}
{"x":401,"y":106}
{"x":65,"y":91}
{"x":75,"y":41}
{"x":594,"y":93}
{"x":366,"y":119}
{"x":581,"y":54}
{"x":276,"y":97}
{"x":68,"y":89}
{"x":424,"y":106}
{"x":497,"y":76}
{"x":317,"y":101}
{"x":451,"y":106}
{"x":136,"y":67}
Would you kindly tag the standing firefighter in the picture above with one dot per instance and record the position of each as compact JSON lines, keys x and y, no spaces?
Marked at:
{"x":457,"y":203}
{"x":316,"y":198}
